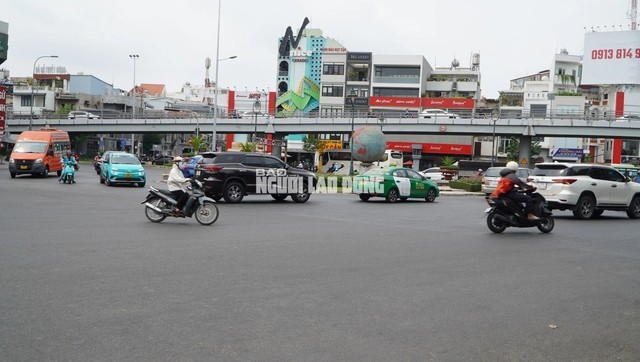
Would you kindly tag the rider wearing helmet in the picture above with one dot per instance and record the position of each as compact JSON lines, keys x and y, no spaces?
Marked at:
{"x":177,"y":184}
{"x":67,"y":159}
{"x":506,"y":189}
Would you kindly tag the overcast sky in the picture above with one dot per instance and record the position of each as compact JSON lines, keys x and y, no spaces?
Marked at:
{"x":173,"y":38}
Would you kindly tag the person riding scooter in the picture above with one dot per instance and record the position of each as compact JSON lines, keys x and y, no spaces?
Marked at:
{"x":506,"y":188}
{"x":177,"y":184}
{"x":68,"y":166}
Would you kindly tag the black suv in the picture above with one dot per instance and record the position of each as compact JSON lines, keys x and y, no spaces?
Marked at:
{"x":232,"y":175}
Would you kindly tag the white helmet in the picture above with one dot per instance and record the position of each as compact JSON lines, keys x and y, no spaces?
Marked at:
{"x":512,"y":165}
{"x":178,"y":159}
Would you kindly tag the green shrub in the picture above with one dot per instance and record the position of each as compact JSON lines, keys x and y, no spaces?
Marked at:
{"x":464,"y":185}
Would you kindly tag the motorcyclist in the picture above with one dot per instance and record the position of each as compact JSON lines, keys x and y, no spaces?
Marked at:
{"x":67,"y":159}
{"x":177,"y":184}
{"x":506,"y":188}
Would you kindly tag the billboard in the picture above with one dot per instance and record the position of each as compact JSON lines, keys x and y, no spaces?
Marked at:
{"x":611,"y":57}
{"x":4,"y":41}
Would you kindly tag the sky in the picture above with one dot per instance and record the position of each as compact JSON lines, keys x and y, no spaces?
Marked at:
{"x":173,"y":38}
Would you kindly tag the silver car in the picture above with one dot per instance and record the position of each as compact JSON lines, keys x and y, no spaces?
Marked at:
{"x":492,"y":175}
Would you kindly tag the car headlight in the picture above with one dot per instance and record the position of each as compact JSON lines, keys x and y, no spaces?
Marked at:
{"x":114,"y":170}
{"x":38,"y":160}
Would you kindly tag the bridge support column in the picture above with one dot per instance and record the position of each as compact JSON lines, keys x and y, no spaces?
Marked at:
{"x":524,"y":155}
{"x":278,"y":141}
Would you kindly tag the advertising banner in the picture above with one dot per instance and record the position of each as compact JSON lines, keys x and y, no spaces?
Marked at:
{"x":439,"y":148}
{"x":414,"y":102}
{"x":611,"y":57}
{"x":3,"y":107}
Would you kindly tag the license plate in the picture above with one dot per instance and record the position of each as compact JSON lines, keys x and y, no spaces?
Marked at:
{"x":23,"y":167}
{"x":540,"y":186}
{"x":127,"y":175}
{"x":197,"y":173}
{"x":493,"y":183}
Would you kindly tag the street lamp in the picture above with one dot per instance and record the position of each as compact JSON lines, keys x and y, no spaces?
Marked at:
{"x":33,"y":84}
{"x":256,"y":110}
{"x":133,"y":97}
{"x":215,"y":100}
{"x":352,"y":98}
{"x":381,"y":121}
{"x":495,"y":116}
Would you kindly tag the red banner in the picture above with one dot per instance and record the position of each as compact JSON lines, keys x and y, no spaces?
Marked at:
{"x":402,"y":102}
{"x":456,"y":103}
{"x":414,"y":102}
{"x":439,"y":148}
{"x":3,"y":106}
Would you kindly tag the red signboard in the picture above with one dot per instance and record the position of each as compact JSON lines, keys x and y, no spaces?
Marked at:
{"x":414,"y":102}
{"x":455,"y":103}
{"x":3,"y":106}
{"x":403,"y":102}
{"x":439,"y":148}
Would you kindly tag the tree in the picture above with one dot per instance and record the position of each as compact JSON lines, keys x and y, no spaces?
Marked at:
{"x":247,"y":146}
{"x":311,"y":143}
{"x":197,"y":143}
{"x":513,"y":149}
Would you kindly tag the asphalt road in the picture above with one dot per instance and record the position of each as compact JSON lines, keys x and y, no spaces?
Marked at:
{"x":84,"y":276}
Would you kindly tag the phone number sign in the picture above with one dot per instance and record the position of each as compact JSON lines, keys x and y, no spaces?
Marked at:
{"x":615,"y":53}
{"x":611,"y":57}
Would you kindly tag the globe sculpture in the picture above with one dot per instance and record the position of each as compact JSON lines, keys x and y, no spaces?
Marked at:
{"x":369,"y":144}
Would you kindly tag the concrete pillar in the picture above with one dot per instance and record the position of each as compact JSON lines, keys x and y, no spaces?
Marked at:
{"x":276,"y":149}
{"x":525,"y":152}
{"x":416,"y":155}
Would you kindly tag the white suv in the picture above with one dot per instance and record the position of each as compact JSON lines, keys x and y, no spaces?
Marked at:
{"x":437,"y":113}
{"x":586,"y":189}
{"x":82,"y":114}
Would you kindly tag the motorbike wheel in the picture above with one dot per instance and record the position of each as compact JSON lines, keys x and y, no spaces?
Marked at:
{"x":546,"y":223}
{"x":151,"y":214}
{"x":495,"y":224}
{"x":207,"y":213}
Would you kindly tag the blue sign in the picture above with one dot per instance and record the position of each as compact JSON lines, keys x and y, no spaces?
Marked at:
{"x":567,"y":152}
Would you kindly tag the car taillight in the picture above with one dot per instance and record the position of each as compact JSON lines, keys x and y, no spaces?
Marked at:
{"x":564,"y":181}
{"x":529,"y":179}
{"x":213,"y":168}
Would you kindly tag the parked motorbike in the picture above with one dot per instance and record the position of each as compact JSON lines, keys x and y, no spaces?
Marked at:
{"x":68,"y":172}
{"x":159,"y":205}
{"x":96,"y":166}
{"x":504,"y":213}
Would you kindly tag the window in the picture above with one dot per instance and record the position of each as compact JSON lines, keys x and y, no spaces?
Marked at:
{"x":613,"y":175}
{"x":253,"y":161}
{"x":332,"y":91}
{"x":25,"y":101}
{"x":229,"y":158}
{"x":413,"y":175}
{"x":333,"y":68}
{"x":270,"y":162}
{"x":400,"y":173}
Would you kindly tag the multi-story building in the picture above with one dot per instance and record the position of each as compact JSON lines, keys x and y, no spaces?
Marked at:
{"x":317,"y":76}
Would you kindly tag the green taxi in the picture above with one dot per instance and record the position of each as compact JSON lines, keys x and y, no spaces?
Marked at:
{"x":394,"y":183}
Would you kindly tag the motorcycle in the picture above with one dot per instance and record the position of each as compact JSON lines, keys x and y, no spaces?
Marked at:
{"x":504,"y":213}
{"x":159,"y":205}
{"x":68,"y":172}
{"x":96,"y":166}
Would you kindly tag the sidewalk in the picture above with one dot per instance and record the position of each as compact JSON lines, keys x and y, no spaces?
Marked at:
{"x":445,"y":190}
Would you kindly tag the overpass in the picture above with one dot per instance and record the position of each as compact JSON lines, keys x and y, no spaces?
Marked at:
{"x":556,"y":127}
{"x":524,"y":128}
